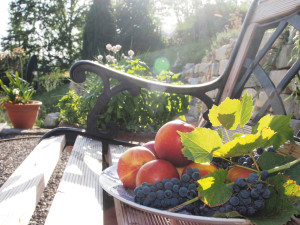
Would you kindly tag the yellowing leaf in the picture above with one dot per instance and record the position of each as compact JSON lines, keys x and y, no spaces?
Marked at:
{"x":226,"y":114}
{"x":244,"y":144}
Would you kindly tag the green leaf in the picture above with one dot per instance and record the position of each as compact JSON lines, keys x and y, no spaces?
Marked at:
{"x":269,"y":160}
{"x":226,"y":114}
{"x":199,"y":144}
{"x":212,"y":189}
{"x":246,"y":109}
{"x":280,"y":207}
{"x":244,"y":144}
{"x":278,"y":123}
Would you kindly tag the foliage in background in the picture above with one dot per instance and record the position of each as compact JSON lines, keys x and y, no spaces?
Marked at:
{"x":18,"y":91}
{"x":12,"y":61}
{"x":135,"y":26}
{"x":145,"y":112}
{"x":99,"y":29}
{"x":49,"y":82}
{"x":52,"y":30}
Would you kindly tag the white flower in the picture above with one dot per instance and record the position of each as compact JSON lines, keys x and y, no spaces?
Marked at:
{"x":100,"y":57}
{"x":114,"y":61}
{"x":131,"y":53}
{"x":110,"y":58}
{"x":109,"y":47}
{"x":116,"y":48}
{"x":16,"y":91}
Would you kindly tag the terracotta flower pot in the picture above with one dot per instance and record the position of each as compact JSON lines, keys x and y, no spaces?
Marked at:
{"x":23,"y":116}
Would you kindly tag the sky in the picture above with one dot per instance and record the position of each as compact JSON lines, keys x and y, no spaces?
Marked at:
{"x":3,"y":17}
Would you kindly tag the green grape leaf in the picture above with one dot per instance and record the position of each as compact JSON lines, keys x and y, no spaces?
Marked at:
{"x":278,"y":123}
{"x":212,"y":189}
{"x":244,"y":144}
{"x":236,"y":135}
{"x":246,"y":109}
{"x":280,"y":206}
{"x":199,"y":144}
{"x":226,"y":114}
{"x":270,"y":160}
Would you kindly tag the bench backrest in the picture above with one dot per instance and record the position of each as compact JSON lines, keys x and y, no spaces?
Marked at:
{"x":244,"y":61}
{"x":271,"y":14}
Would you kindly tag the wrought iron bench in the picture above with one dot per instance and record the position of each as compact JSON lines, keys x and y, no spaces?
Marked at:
{"x":79,"y":197}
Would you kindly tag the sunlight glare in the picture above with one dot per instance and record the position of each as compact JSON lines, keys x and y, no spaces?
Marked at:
{"x":169,"y":24}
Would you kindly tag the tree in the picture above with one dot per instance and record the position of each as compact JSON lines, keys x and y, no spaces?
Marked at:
{"x":99,"y":29}
{"x":50,"y":29}
{"x":135,"y":26}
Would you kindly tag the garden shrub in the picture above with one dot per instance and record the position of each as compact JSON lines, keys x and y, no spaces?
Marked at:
{"x":51,"y":81}
{"x":145,"y":112}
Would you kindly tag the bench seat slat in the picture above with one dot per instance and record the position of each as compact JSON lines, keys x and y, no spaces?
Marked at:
{"x":22,"y":191}
{"x":79,"y":198}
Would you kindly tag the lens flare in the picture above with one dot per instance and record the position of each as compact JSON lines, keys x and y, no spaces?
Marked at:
{"x":161,"y":64}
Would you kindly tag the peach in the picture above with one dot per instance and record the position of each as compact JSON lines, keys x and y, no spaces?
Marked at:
{"x":204,"y":168}
{"x":130,"y":162}
{"x":156,"y":170}
{"x":168,"y":144}
{"x":237,"y":172}
{"x":151,"y":147}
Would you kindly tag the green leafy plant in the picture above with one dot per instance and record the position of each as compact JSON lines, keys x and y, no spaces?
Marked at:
{"x":145,"y":112}
{"x":215,"y":190}
{"x":51,"y":81}
{"x":17,"y":92}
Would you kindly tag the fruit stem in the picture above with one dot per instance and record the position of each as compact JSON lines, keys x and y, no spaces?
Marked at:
{"x":255,"y":163}
{"x":183,"y":204}
{"x":284,"y":167}
{"x":227,"y":135}
{"x":254,"y":170}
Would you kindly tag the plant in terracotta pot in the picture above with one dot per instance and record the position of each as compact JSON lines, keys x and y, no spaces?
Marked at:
{"x":22,"y":111}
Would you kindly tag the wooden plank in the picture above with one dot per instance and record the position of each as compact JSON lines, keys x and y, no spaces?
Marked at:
{"x":22,"y":191}
{"x":79,"y":198}
{"x":273,"y":9}
{"x":238,"y":63}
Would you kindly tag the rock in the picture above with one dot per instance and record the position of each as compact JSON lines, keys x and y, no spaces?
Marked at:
{"x":262,"y":98}
{"x":202,"y":68}
{"x":51,"y":120}
{"x":193,"y":80}
{"x":276,"y":76}
{"x":214,"y":70}
{"x":289,"y":103}
{"x":250,"y":91}
{"x":223,"y":52}
{"x":284,"y":59}
{"x":212,"y":94}
{"x":223,"y":64}
{"x":266,"y":37}
{"x":194,"y":111}
{"x":252,"y":82}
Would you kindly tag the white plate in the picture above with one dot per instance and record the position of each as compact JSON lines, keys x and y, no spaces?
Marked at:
{"x":110,"y":182}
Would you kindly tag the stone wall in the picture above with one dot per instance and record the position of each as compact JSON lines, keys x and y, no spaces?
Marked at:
{"x":212,"y":67}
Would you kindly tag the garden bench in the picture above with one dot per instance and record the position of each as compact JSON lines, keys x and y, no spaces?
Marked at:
{"x":79,"y":198}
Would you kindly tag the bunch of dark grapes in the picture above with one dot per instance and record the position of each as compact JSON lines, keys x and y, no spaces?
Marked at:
{"x":169,"y":192}
{"x":221,"y":163}
{"x":248,"y":195}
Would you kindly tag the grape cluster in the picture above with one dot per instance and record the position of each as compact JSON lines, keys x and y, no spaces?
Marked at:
{"x":221,"y":163}
{"x":248,"y":195}
{"x":169,"y":192}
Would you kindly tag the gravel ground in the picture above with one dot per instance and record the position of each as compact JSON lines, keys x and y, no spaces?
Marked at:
{"x":12,"y":154}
